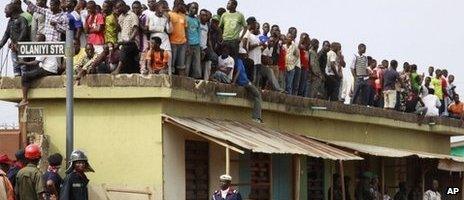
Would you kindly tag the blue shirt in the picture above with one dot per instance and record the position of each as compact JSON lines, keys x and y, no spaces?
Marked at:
{"x":74,"y":21}
{"x":242,"y":78}
{"x":263,"y":38}
{"x":193,"y":30}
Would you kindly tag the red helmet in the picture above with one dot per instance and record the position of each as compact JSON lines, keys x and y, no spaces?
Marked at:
{"x":32,"y":152}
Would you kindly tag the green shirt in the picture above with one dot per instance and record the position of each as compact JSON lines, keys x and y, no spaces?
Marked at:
{"x":438,"y":88}
{"x":28,"y":17}
{"x":232,"y":24}
{"x":415,"y":82}
{"x":111,"y":33}
{"x":29,"y":183}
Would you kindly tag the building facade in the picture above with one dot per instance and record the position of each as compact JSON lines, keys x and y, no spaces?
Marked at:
{"x":173,"y":137}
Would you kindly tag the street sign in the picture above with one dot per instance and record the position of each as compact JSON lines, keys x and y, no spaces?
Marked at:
{"x":47,"y":49}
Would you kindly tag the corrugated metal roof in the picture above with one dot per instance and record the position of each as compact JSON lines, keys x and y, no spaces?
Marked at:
{"x":260,"y":139}
{"x":391,"y":152}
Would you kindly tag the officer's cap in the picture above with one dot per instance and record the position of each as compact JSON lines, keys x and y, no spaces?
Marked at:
{"x":225,"y":177}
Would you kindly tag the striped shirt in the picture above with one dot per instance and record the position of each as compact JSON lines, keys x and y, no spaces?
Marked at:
{"x":52,"y":33}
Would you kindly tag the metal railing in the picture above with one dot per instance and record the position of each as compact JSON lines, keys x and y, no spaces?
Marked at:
{"x":9,"y":126}
{"x":5,"y":62}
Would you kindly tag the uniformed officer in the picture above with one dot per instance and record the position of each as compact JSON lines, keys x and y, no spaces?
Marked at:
{"x":226,"y":192}
{"x":75,"y":183}
{"x":29,"y":184}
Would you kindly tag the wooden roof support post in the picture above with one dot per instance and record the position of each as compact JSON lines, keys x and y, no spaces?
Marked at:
{"x":331,"y":181}
{"x":342,"y":178}
{"x":382,"y":170}
{"x":462,"y":185}
{"x":227,"y":161}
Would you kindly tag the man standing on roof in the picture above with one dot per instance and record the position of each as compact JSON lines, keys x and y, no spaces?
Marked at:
{"x":226,"y":192}
{"x":75,"y":184}
{"x":232,"y":23}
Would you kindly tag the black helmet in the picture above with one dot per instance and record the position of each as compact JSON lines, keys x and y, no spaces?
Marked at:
{"x":78,"y":155}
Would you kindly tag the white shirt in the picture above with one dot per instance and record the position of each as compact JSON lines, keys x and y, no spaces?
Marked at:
{"x":228,"y":63}
{"x":268,"y":51}
{"x":386,"y":197}
{"x":148,"y":14}
{"x":331,"y":57}
{"x":424,"y":91}
{"x":204,"y":29}
{"x":83,"y":14}
{"x":160,"y":27}
{"x":431,"y":195}
{"x":254,"y":54}
{"x":48,"y":63}
{"x":224,"y":193}
{"x":432,"y":103}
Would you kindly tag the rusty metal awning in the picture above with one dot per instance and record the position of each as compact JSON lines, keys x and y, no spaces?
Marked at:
{"x":258,"y":138}
{"x":391,"y":152}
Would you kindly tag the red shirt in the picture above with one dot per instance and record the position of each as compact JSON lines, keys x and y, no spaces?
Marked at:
{"x":281,"y":60}
{"x":92,"y":21}
{"x":304,"y":59}
{"x":444,"y":84}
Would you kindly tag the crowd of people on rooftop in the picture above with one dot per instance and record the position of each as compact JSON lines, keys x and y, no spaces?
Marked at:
{"x":223,"y":47}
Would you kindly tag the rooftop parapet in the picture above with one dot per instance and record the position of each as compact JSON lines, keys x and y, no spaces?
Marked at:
{"x":187,"y":89}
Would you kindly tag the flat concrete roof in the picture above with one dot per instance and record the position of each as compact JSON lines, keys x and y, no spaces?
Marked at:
{"x":105,"y":86}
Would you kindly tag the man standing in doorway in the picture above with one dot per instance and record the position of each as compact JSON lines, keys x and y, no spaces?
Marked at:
{"x":433,"y":193}
{"x":226,"y":192}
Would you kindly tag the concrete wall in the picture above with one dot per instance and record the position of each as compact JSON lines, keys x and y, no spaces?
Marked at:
{"x":121,"y":138}
{"x":174,"y":163}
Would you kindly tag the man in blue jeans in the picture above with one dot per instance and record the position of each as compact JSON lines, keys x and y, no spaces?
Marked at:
{"x":241,"y":79}
{"x":359,"y":69}
{"x":193,"y":60}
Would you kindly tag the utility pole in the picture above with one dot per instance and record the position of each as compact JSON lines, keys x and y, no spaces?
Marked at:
{"x":69,"y":93}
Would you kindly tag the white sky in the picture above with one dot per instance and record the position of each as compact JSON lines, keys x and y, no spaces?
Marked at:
{"x":425,"y":32}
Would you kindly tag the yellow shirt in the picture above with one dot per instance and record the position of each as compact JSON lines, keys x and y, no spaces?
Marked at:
{"x":79,"y":57}
{"x":179,"y":25}
{"x":437,"y":88}
{"x":111,"y":33}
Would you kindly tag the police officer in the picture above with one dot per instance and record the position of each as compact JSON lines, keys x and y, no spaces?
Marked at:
{"x":29,"y":184}
{"x":75,"y":183}
{"x":226,"y":192}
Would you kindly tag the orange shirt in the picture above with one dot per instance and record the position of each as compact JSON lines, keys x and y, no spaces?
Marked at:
{"x":179,"y":25}
{"x":456,"y":109}
{"x":157,"y":62}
